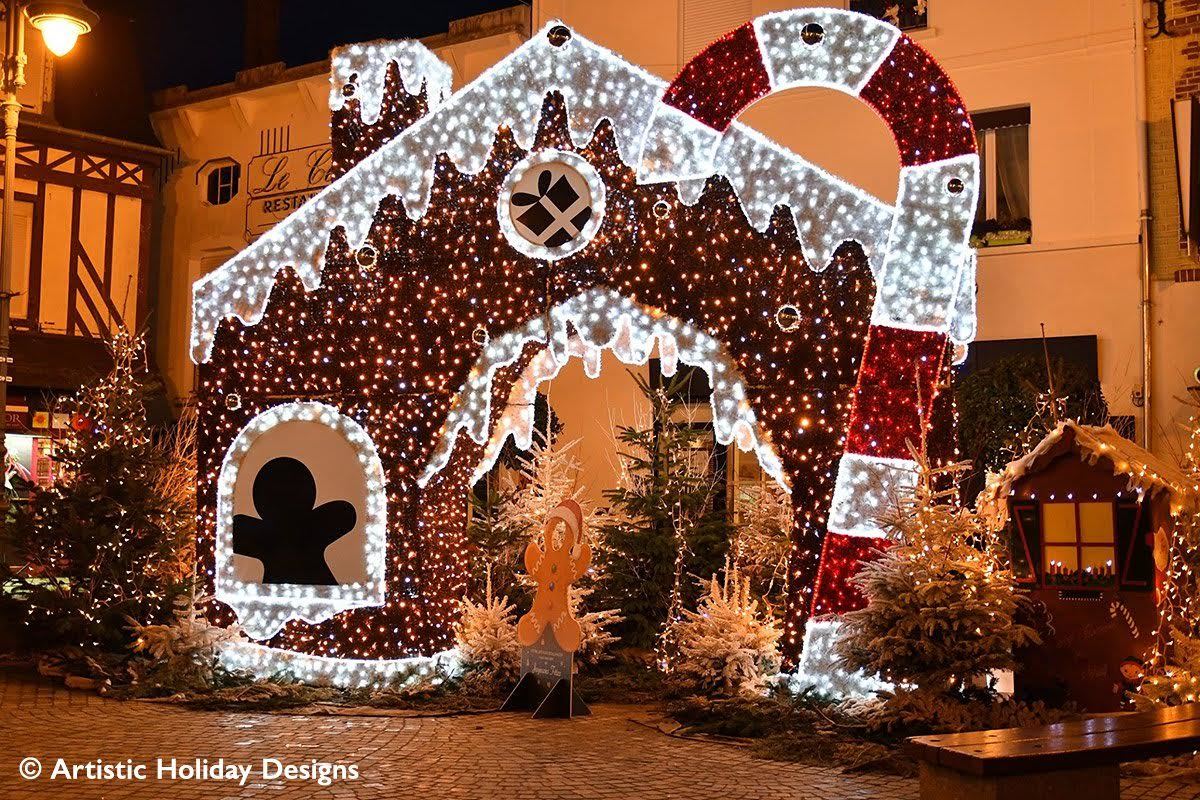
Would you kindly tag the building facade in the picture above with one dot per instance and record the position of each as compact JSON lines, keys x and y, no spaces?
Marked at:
{"x":1171,"y":36}
{"x":85,"y":215}
{"x":251,"y":151}
{"x":1059,"y":102}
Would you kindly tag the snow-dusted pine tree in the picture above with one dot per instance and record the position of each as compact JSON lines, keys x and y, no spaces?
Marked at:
{"x":548,"y":474}
{"x":486,"y":635}
{"x":516,"y":508}
{"x":940,"y":601}
{"x":1173,"y":680}
{"x":595,"y":639}
{"x":761,"y":541}
{"x":183,"y":651}
{"x":729,"y":645}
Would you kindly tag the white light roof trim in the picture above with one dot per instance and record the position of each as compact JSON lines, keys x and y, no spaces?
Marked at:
{"x":596,"y":85}
{"x":365,"y":64}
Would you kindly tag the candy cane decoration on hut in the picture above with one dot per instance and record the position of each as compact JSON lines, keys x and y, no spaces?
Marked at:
{"x":925,"y":299}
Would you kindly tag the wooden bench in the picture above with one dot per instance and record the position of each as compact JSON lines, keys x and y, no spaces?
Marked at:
{"x":1068,"y":761}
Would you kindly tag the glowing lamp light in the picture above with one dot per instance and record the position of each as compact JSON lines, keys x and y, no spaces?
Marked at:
{"x":61,"y":22}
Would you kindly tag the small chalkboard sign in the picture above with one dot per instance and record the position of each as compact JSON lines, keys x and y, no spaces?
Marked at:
{"x":547,"y":685}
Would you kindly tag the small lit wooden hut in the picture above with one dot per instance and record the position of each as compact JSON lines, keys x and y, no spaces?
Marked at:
{"x":1087,"y":511}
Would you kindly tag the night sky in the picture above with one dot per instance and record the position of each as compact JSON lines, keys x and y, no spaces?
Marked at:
{"x":144,"y":45}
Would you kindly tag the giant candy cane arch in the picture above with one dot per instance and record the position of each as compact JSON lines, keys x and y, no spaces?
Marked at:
{"x":925,"y":298}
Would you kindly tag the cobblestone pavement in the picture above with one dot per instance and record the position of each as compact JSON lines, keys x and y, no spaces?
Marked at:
{"x":484,"y":756}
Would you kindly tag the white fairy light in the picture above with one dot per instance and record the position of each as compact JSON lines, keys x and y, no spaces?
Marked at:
{"x":346,"y":673}
{"x":850,"y":50}
{"x":866,"y":487}
{"x":597,"y":85}
{"x":364,"y":67}
{"x":819,"y":671}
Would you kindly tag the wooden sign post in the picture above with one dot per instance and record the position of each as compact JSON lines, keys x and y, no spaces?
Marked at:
{"x":549,"y":634}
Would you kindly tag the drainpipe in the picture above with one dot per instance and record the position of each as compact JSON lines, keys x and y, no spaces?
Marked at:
{"x":1146,"y":281}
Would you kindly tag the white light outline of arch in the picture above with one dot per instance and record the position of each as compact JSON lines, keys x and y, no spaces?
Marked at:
{"x":633,"y":331}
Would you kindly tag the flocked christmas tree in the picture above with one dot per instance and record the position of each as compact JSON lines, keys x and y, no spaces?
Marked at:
{"x":486,"y":637}
{"x":941,"y":600}
{"x":761,"y":543}
{"x":514,"y":508}
{"x":183,"y":652}
{"x":102,"y":544}
{"x":729,"y":645}
{"x":512,"y":504}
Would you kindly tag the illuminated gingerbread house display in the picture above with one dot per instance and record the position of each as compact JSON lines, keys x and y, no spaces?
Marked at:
{"x":362,"y":363}
{"x":1089,"y":517}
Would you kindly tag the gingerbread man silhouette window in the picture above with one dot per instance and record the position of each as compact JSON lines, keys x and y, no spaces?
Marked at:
{"x":291,"y":532}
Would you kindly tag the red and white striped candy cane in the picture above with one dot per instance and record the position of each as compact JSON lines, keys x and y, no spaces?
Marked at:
{"x":925,"y":279}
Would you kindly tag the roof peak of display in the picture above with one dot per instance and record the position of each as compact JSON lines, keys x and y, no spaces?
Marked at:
{"x":596,"y":85}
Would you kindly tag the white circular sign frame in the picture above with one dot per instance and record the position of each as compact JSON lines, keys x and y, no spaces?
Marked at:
{"x":504,"y":205}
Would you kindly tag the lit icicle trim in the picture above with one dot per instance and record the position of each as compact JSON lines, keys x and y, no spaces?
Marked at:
{"x":928,"y":246}
{"x":677,"y":147}
{"x":262,"y":608}
{"x":518,"y":418}
{"x":820,"y":671}
{"x":596,"y":84}
{"x":848,"y":54}
{"x":346,"y":673}
{"x":866,"y":487}
{"x":826,"y":209}
{"x":517,"y":421}
{"x":963,"y":316}
{"x":602,"y":319}
{"x":365,"y":66}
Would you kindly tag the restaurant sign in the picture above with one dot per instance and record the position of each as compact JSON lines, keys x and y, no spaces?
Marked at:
{"x":279,"y":183}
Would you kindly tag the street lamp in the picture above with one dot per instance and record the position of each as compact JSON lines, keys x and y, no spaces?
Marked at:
{"x":61,"y":23}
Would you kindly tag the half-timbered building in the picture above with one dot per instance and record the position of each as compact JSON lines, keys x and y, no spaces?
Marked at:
{"x":85,"y":214}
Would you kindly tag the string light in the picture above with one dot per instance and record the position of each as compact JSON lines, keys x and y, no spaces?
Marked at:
{"x":820,"y":672}
{"x":392,"y":673}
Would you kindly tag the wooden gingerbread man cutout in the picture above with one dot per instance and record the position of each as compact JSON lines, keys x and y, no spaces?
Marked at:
{"x":553,"y":571}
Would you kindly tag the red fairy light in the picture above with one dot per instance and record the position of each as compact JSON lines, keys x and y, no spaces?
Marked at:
{"x":896,"y":365}
{"x":841,"y":557}
{"x":920,"y":105}
{"x":722,"y":80}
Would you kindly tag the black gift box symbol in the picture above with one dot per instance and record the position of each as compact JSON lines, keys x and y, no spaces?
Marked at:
{"x":546,"y":216}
